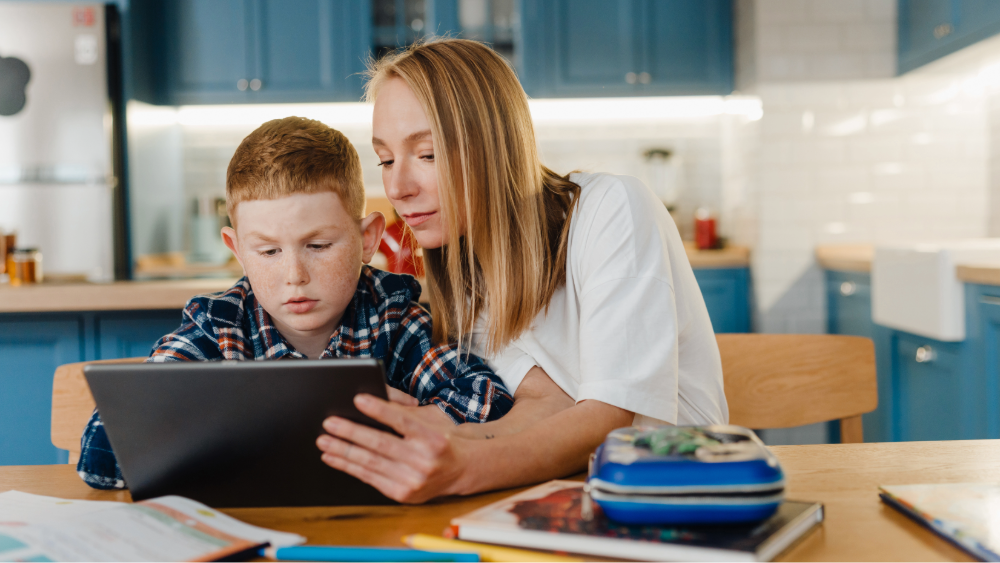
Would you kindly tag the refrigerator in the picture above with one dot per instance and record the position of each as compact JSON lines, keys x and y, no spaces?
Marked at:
{"x":58,"y":170}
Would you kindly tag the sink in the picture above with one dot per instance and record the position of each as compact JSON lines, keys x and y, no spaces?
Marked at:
{"x":914,"y":287}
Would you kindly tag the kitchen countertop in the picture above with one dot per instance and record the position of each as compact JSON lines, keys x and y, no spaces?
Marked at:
{"x":117,"y":296}
{"x":731,"y":256}
{"x":858,"y":258}
{"x":174,"y":294}
{"x":982,"y":273}
{"x":850,"y":257}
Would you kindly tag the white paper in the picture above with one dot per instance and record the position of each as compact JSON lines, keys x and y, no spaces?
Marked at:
{"x":162,"y":529}
{"x":25,"y":508}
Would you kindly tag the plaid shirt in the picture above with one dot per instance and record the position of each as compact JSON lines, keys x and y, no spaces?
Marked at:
{"x":383,"y":321}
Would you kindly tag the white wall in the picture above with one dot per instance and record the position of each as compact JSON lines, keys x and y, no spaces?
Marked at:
{"x":175,"y":160}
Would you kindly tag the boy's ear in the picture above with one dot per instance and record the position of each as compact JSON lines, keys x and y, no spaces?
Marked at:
{"x":229,"y":238}
{"x":372,"y":227}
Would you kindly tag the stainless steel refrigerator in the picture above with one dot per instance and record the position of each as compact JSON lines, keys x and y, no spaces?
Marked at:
{"x":57,"y":169}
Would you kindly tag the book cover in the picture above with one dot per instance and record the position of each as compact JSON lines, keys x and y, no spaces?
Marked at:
{"x":549,"y":517}
{"x":964,"y":513}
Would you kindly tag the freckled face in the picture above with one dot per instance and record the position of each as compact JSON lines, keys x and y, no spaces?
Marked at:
{"x":403,"y":142}
{"x":302,"y":254}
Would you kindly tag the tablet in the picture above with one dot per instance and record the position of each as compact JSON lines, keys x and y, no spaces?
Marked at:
{"x":234,"y":433}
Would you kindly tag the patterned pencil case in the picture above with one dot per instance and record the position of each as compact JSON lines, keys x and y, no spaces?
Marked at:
{"x":685,"y":475}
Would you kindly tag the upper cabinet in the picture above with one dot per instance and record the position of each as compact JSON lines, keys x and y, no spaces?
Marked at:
{"x":241,"y":51}
{"x":627,"y":47}
{"x":931,"y":29}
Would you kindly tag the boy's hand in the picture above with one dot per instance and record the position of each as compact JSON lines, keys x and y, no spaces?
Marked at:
{"x":430,"y":415}
{"x":401,"y":398}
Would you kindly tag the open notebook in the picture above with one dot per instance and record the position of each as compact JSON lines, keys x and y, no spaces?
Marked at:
{"x":39,"y":528}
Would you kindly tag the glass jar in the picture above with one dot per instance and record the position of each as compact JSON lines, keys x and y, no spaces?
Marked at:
{"x":24,"y":266}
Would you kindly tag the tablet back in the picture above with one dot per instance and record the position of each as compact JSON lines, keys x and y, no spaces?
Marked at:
{"x":234,"y":434}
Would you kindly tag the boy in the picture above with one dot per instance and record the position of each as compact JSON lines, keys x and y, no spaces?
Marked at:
{"x":295,"y":197}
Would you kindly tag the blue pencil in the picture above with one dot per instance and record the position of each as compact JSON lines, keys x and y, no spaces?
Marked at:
{"x":343,"y":553}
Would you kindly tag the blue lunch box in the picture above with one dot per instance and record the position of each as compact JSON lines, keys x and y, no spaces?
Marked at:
{"x":685,"y":475}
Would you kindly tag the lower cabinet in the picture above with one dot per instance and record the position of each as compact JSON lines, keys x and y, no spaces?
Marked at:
{"x":928,"y":389}
{"x":727,"y":297}
{"x":982,"y":327}
{"x":32,"y":346}
{"x":30,"y":350}
{"x":849,"y":303}
{"x":849,"y":312}
{"x":133,"y":334}
{"x":934,"y":398}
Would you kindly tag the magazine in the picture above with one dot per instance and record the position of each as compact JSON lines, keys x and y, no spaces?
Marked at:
{"x":962,"y":513}
{"x":549,"y":517}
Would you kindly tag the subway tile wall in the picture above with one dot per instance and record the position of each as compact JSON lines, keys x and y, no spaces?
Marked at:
{"x":175,"y":163}
{"x":824,"y":39}
{"x":903,"y":159}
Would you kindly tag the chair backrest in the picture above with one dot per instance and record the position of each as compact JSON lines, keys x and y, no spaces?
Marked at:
{"x":72,"y":404}
{"x":785,"y":380}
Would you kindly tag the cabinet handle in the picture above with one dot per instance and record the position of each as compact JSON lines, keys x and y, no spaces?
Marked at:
{"x":242,"y":84}
{"x":255,"y":84}
{"x":848,"y":288}
{"x":644,"y":78}
{"x":942,"y":31}
{"x":630,"y":77}
{"x":989,"y":300}
{"x":925,"y":355}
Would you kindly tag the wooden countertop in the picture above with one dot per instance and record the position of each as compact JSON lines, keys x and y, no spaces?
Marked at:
{"x":732,"y":256}
{"x":173,"y":294}
{"x":858,"y":258}
{"x":850,"y":257}
{"x":117,"y":296}
{"x":844,"y":477}
{"x":984,"y":273}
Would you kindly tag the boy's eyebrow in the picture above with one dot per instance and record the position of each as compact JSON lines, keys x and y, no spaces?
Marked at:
{"x":418,"y":136}
{"x":261,"y":236}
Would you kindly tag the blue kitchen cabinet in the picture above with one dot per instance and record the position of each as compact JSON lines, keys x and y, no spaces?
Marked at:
{"x":249,"y":51}
{"x":132,"y":334}
{"x":849,"y":312}
{"x":931,"y":29}
{"x":208,"y":48}
{"x":934,"y":398}
{"x":312,"y":50}
{"x":849,"y":303}
{"x":31,"y":347}
{"x":727,"y":297}
{"x":628,"y":47}
{"x":983,"y":337}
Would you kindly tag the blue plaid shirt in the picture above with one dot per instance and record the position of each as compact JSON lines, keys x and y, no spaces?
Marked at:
{"x":383,"y":321}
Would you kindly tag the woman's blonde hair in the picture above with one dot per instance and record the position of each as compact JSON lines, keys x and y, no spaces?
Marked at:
{"x":507,"y":216}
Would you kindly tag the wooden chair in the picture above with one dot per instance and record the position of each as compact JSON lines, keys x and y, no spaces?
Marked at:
{"x":72,"y":404}
{"x":786,"y":380}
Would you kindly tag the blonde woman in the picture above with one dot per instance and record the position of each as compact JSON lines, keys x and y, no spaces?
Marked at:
{"x":575,"y":289}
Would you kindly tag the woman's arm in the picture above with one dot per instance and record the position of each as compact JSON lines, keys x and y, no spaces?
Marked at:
{"x":425,"y":462}
{"x":536,"y":398}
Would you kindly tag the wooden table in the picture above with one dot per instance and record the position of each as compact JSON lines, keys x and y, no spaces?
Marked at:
{"x":858,"y":526}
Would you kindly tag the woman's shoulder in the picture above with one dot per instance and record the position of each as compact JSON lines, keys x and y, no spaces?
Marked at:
{"x":606,"y":196}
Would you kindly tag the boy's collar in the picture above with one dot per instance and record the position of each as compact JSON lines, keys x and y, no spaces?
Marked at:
{"x":276,"y":346}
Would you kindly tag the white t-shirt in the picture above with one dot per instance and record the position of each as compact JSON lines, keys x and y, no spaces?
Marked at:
{"x":629,"y":327}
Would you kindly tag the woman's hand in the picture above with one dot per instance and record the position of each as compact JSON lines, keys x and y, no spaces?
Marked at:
{"x":422,"y":464}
